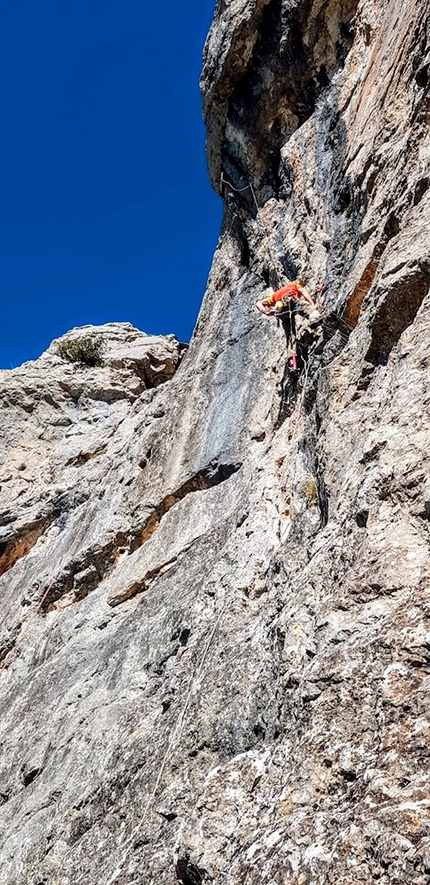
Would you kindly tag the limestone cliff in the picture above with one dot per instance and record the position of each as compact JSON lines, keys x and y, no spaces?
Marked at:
{"x":214,"y":611}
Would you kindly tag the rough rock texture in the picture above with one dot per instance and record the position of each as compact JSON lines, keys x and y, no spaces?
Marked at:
{"x":215,"y":612}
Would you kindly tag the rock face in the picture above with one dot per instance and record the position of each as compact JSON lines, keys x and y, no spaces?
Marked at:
{"x":214,"y":636}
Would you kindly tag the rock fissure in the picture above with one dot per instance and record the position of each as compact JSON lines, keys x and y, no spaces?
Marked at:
{"x":82,"y":575}
{"x":206,"y":478}
{"x":14,"y":548}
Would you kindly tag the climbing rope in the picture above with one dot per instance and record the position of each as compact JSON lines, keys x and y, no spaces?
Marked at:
{"x":176,"y":734}
{"x":173,"y":740}
{"x":271,"y":261}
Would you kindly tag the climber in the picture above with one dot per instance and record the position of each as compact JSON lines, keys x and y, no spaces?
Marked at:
{"x":293,"y":295}
{"x":289,"y":304}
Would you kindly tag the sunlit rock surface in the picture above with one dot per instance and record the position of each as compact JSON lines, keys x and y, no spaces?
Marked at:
{"x":214,"y":610}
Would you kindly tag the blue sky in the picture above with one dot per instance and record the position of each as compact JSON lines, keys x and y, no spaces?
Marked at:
{"x":106,"y":212}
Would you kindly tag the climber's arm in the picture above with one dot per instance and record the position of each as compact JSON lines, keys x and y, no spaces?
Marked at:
{"x":265,"y":307}
{"x":306,"y":295}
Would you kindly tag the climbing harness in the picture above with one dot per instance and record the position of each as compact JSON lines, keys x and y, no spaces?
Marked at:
{"x":297,"y":364}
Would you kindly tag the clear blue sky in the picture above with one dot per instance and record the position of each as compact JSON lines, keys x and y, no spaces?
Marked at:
{"x":106,"y":212}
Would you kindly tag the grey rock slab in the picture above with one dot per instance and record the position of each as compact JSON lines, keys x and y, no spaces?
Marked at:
{"x":214,"y":606}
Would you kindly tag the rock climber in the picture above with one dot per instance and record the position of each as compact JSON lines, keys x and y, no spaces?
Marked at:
{"x":300,"y":318}
{"x":294,"y":295}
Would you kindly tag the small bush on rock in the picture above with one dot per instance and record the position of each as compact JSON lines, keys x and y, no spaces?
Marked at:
{"x":87,"y":350}
{"x":309,"y":490}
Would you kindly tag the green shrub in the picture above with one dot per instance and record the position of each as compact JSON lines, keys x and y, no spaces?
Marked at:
{"x":87,"y":350}
{"x":308,"y":490}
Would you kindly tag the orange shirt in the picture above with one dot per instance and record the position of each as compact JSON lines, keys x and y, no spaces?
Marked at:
{"x":291,"y":290}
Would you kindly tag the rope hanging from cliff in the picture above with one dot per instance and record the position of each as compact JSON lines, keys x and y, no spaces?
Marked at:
{"x":271,"y":261}
{"x":172,"y":742}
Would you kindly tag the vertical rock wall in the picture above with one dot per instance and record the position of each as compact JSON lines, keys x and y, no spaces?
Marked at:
{"x":215,"y":612}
